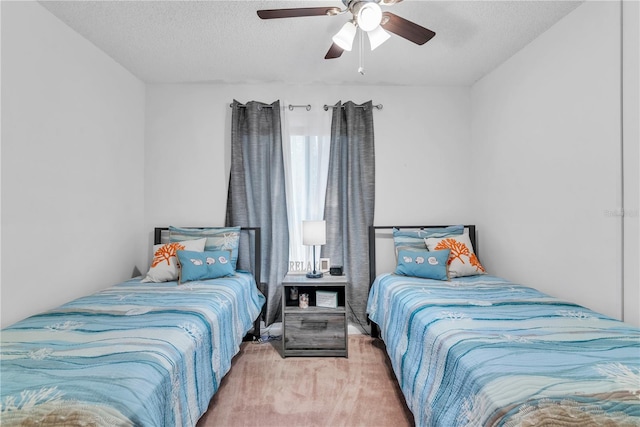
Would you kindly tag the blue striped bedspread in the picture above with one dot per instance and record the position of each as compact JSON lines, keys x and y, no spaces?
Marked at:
{"x":143,"y":354}
{"x":481,"y":351}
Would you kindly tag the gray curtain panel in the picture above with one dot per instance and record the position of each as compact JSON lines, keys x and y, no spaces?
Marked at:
{"x":256,"y":195}
{"x":350,"y":198}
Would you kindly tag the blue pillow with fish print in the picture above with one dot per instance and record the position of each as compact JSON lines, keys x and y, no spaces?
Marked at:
{"x":204,"y":265}
{"x":425,"y":264}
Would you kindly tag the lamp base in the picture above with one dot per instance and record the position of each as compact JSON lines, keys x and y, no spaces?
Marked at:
{"x":314,"y":275}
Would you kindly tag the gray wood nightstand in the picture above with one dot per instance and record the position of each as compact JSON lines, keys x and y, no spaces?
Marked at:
{"x":315,"y":330}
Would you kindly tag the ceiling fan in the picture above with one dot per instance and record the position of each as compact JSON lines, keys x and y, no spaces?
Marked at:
{"x":366,"y":15}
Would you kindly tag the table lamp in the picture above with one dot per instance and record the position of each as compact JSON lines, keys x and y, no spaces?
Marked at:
{"x":314,"y":233}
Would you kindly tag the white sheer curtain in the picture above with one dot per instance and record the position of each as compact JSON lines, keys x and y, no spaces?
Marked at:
{"x":306,"y":144}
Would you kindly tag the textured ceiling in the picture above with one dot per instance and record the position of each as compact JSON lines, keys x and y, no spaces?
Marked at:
{"x":225,"y":41}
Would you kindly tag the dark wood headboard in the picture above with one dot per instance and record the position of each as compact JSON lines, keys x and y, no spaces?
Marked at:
{"x":256,"y":267}
{"x":372,"y":241}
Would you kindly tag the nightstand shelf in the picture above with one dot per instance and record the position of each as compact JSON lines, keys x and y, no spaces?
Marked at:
{"x":314,"y":331}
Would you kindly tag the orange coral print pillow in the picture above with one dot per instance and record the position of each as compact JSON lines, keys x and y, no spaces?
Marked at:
{"x":165,"y":265}
{"x":462,"y":259}
{"x":166,"y":252}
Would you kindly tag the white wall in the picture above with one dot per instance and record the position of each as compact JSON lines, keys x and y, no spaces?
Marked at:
{"x":422,"y":136}
{"x":546,"y":149}
{"x":72,"y":164}
{"x":631,"y":135}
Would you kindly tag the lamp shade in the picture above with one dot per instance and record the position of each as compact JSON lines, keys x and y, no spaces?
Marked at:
{"x":344,"y":37}
{"x":369,"y":16}
{"x":314,"y":233}
{"x":377,"y":36}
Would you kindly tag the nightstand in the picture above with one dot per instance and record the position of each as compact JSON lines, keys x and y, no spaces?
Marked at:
{"x":315,"y":330}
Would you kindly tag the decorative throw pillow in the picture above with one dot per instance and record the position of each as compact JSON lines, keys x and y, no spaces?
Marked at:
{"x":218,"y":238}
{"x":462,"y":259}
{"x":414,"y":239}
{"x":427,"y":264}
{"x":164,"y":266}
{"x":204,"y":265}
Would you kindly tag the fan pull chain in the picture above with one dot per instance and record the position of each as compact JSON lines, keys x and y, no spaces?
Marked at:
{"x":361,"y":53}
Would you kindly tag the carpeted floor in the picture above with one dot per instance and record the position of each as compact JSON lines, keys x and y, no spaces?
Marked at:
{"x":263,"y":389}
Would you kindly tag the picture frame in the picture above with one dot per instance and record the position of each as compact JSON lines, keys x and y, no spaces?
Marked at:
{"x":325,"y":265}
{"x":326,"y":299}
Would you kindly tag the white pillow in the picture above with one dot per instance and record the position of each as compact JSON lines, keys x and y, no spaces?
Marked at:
{"x":165,"y":266}
{"x":462,"y":259}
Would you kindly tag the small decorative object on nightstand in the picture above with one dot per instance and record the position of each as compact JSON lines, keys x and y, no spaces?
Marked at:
{"x":325,"y":265}
{"x":320,"y":329}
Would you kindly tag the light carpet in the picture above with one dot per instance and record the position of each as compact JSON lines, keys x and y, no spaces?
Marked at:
{"x":263,"y":389}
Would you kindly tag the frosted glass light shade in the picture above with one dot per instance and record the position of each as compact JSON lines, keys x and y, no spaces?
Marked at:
{"x":344,"y":37}
{"x":369,"y":16}
{"x":314,"y":233}
{"x":377,"y":36}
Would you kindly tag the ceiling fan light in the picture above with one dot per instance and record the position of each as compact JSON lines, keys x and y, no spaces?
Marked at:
{"x":344,"y":37}
{"x":377,"y":36}
{"x":369,"y":16}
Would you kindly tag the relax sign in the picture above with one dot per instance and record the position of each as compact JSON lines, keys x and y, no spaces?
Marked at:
{"x":302,"y":267}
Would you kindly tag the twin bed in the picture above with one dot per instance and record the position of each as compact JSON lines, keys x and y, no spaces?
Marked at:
{"x":146,"y":352}
{"x":477,"y":350}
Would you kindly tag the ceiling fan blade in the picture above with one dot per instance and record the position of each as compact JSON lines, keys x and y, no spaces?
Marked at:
{"x":407,"y":29}
{"x":389,"y":2}
{"x":297,"y":12}
{"x":335,"y":51}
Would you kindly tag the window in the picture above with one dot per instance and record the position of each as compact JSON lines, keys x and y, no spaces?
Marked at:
{"x":306,"y":146}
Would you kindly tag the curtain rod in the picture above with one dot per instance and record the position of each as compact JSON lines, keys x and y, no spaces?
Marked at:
{"x":379,"y":106}
{"x":308,"y":106}
{"x":244,"y":106}
{"x":290,"y":106}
